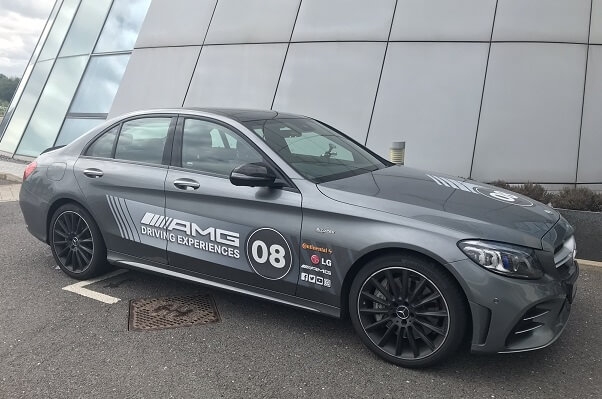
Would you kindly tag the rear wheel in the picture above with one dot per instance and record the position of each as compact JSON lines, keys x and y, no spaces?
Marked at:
{"x":407,"y":311}
{"x":76,"y":243}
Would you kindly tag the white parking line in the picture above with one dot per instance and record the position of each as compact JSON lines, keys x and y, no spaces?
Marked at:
{"x":78,"y":288}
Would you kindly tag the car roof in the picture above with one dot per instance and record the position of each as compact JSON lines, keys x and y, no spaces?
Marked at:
{"x":246,"y":115}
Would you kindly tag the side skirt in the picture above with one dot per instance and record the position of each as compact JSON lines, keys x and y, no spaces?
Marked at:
{"x":131,"y":262}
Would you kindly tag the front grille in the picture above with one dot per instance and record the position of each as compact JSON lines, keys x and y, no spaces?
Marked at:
{"x":564,"y":257}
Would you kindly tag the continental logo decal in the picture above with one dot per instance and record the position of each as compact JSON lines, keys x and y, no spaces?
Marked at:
{"x":495,"y":194}
{"x":310,"y":247}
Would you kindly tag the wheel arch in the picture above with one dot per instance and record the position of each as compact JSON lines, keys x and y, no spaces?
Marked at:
{"x":56,"y":204}
{"x":376,"y":253}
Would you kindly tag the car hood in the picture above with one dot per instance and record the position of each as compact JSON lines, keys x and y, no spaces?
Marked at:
{"x":478,"y":210}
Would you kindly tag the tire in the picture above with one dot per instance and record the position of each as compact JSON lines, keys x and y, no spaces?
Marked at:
{"x":76,"y":243}
{"x":414,"y":324}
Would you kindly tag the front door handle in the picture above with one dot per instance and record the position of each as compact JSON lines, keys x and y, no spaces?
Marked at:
{"x":93,"y":173}
{"x":186,"y":184}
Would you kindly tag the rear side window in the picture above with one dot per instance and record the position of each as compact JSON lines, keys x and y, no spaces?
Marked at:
{"x":143,"y":140}
{"x":103,"y":146}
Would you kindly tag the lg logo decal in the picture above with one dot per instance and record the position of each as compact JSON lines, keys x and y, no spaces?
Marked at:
{"x":269,"y":253}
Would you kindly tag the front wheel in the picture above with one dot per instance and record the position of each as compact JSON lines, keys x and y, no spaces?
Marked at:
{"x":407,"y":311}
{"x":76,"y":243}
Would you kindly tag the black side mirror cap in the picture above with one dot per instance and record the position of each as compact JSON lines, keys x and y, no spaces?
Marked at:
{"x":256,"y":174}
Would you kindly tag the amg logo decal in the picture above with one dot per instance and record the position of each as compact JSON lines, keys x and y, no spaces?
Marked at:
{"x":192,"y":229}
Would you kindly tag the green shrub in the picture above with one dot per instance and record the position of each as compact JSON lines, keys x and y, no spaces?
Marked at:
{"x":534,"y":191}
{"x":501,"y":184}
{"x":579,"y":199}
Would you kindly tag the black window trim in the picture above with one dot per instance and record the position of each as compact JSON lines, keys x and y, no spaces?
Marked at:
{"x":176,"y":155}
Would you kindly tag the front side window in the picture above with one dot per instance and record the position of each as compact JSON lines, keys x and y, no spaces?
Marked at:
{"x":143,"y":140}
{"x":212,"y":148}
{"x":317,"y":152}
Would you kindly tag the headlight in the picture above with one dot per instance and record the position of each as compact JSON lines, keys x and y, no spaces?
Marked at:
{"x":506,"y":259}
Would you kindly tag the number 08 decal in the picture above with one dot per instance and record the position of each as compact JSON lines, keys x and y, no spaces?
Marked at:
{"x":269,"y":254}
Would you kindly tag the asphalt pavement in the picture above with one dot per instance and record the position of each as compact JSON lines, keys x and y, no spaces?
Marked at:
{"x":55,"y":343}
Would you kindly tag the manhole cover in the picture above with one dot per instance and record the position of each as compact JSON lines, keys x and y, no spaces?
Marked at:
{"x":172,"y":312}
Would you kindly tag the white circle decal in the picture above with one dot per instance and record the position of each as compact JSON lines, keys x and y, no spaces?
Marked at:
{"x":503,"y":196}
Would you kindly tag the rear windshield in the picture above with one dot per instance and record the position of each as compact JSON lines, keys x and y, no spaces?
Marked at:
{"x":317,"y":152}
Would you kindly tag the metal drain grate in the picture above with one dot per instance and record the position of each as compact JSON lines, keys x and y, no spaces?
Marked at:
{"x":172,"y":312}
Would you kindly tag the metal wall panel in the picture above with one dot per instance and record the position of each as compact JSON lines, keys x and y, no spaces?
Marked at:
{"x":154,"y":78}
{"x":252,"y":21}
{"x":243,"y":76}
{"x":429,"y":97}
{"x":542,"y":20}
{"x":333,"y":82}
{"x":590,"y":154}
{"x":531,"y":112}
{"x":321,"y":20}
{"x":469,"y":20}
{"x":176,"y":23}
{"x":596,"y":28}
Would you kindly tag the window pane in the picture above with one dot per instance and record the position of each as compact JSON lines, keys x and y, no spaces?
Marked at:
{"x":59,"y":30}
{"x":143,"y":140}
{"x":25,"y":107}
{"x":52,"y":106}
{"x":212,"y":148}
{"x":85,"y":28}
{"x":73,"y":128}
{"x":100,"y":83}
{"x":309,"y":143}
{"x":123,"y":25}
{"x":103,"y":147}
{"x":314,"y":150}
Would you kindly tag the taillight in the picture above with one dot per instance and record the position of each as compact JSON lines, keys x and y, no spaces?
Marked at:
{"x":29,"y":169}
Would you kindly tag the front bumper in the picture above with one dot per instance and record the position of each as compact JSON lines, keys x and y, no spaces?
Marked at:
{"x":512,"y":315}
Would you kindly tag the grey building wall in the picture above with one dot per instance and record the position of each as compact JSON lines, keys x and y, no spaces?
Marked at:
{"x":488,"y":89}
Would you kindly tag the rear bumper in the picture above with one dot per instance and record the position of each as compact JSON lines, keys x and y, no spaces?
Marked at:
{"x":512,"y":315}
{"x":34,"y":213}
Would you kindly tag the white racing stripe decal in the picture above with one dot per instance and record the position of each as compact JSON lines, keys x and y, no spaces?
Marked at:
{"x":115,"y":217}
{"x":492,"y":193}
{"x":123,"y":218}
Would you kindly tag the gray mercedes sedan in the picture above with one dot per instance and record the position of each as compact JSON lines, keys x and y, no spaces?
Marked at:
{"x":286,"y":208}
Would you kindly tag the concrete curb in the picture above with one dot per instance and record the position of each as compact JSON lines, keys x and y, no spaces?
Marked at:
{"x":586,"y":262}
{"x":10,"y":177}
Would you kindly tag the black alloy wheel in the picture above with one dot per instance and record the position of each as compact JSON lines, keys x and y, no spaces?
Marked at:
{"x":72,"y":241}
{"x":410,"y":316}
{"x":76,"y":243}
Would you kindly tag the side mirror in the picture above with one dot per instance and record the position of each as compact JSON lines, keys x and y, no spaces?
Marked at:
{"x":256,"y":174}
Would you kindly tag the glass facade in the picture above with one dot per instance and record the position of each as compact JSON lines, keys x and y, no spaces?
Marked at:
{"x":123,"y":24}
{"x":73,"y":75}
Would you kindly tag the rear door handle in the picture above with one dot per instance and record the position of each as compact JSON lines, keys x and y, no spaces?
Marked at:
{"x":93,"y":173}
{"x":186,"y":184}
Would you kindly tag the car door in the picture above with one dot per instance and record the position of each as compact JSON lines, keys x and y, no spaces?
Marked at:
{"x":244,"y":234}
{"x":122,"y":175}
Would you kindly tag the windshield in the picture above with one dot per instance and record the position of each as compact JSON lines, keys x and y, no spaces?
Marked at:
{"x":317,"y":152}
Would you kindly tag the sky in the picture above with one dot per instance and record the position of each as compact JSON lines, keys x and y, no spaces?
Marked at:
{"x":21,"y":23}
